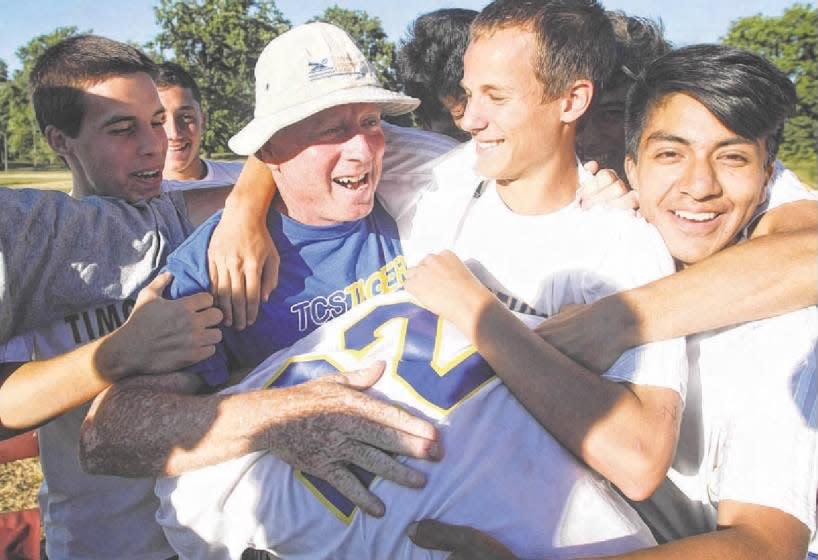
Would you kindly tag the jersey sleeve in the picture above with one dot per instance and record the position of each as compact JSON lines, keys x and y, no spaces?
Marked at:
{"x":635,"y":257}
{"x":189,"y":267}
{"x":59,"y":255}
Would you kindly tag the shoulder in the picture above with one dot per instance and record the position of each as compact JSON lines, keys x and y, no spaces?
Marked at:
{"x":223,"y":171}
{"x":408,"y":148}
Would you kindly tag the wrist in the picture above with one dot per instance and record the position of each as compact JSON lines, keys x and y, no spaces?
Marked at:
{"x":624,"y":324}
{"x":111,"y":358}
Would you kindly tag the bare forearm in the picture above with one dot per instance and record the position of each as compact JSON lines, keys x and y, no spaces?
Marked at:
{"x":254,"y":191}
{"x":733,"y":543}
{"x":172,"y":433}
{"x":762,"y":278}
{"x":601,"y":422}
{"x":37,"y":391}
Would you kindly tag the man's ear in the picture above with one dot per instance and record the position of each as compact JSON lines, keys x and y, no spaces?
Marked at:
{"x":577,"y":100}
{"x":630,"y":171}
{"x":58,"y":140}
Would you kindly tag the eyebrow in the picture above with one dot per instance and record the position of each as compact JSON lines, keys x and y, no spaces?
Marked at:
{"x":662,"y":136}
{"x":116,"y":119}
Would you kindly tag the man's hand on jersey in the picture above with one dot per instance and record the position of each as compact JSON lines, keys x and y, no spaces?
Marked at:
{"x":445,"y":286}
{"x":331,"y":424}
{"x":464,"y":543}
{"x":160,"y":335}
{"x":606,"y":188}
{"x":591,"y":334}
{"x":242,"y":259}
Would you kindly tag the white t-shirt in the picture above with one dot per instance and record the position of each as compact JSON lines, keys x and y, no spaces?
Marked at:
{"x":219,"y":173}
{"x":782,"y":188}
{"x":501,"y":472}
{"x":749,"y":427}
{"x":538,"y":264}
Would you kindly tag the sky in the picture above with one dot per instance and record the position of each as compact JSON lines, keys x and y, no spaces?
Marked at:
{"x":686,"y":22}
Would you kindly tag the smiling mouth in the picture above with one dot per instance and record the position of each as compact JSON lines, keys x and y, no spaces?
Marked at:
{"x":695,"y":216}
{"x":352,"y":183}
{"x":178,"y":147}
{"x":148,"y":175}
{"x":488,"y":144}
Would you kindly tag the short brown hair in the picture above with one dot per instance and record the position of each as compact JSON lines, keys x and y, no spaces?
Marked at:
{"x":64,"y":70}
{"x":575,"y":39}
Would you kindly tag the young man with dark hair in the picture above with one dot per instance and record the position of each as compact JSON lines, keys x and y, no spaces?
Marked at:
{"x":430,"y":66}
{"x":704,"y":123}
{"x":184,"y":125}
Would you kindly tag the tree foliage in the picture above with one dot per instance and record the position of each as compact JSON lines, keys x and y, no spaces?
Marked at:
{"x":17,"y":114}
{"x":218,"y":42}
{"x":791,"y":43}
{"x":368,"y":34}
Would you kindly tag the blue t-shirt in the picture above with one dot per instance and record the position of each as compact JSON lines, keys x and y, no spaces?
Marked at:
{"x":324,"y":272}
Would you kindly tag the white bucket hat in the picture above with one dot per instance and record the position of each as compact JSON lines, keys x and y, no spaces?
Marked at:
{"x":310,"y":68}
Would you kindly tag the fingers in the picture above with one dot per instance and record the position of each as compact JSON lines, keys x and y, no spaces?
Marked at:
{"x":269,"y":275}
{"x":238,"y":296}
{"x":359,"y":379}
{"x":252,"y":291}
{"x":591,"y":166}
{"x":155,"y":288}
{"x":436,"y":535}
{"x":382,"y":464}
{"x":348,"y":484}
{"x":221,"y":291}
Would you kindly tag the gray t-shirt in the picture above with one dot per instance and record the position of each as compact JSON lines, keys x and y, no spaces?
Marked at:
{"x":59,"y":254}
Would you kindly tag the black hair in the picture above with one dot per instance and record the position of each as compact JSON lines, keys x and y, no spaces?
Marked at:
{"x":743,"y":90}
{"x":171,"y":74}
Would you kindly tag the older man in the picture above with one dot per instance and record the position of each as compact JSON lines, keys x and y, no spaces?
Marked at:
{"x":317,"y":126}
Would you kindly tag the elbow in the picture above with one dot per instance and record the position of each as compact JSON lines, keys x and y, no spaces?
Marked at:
{"x":641,"y":482}
{"x":637,"y":470}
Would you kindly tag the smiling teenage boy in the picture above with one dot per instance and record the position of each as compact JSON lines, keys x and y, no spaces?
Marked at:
{"x":704,"y":124}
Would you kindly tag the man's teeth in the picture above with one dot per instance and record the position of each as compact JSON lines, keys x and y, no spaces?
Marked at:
{"x":484,"y":144}
{"x":147,"y":174}
{"x":350,"y":182}
{"x":695,"y":216}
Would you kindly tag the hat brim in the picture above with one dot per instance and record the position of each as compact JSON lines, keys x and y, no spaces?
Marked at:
{"x":253,"y":136}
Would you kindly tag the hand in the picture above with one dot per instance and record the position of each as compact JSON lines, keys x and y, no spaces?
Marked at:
{"x":605,"y":188}
{"x":592,"y":335}
{"x":242,"y":259}
{"x":160,"y":335}
{"x":464,"y":543}
{"x":445,"y":286}
{"x":334,"y":425}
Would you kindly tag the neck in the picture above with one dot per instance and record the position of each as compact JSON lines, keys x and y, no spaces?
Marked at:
{"x":193,"y":172}
{"x":544,"y":188}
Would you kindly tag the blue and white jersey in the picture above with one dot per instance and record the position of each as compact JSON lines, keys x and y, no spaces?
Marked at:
{"x":324,"y":272}
{"x":501,"y":471}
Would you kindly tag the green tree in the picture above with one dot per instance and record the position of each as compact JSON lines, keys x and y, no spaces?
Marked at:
{"x":218,"y":42}
{"x":368,"y":34}
{"x":25,"y":142}
{"x":4,"y":71}
{"x":791,"y":43}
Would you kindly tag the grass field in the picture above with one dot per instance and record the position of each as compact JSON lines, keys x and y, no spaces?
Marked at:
{"x":20,"y":178}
